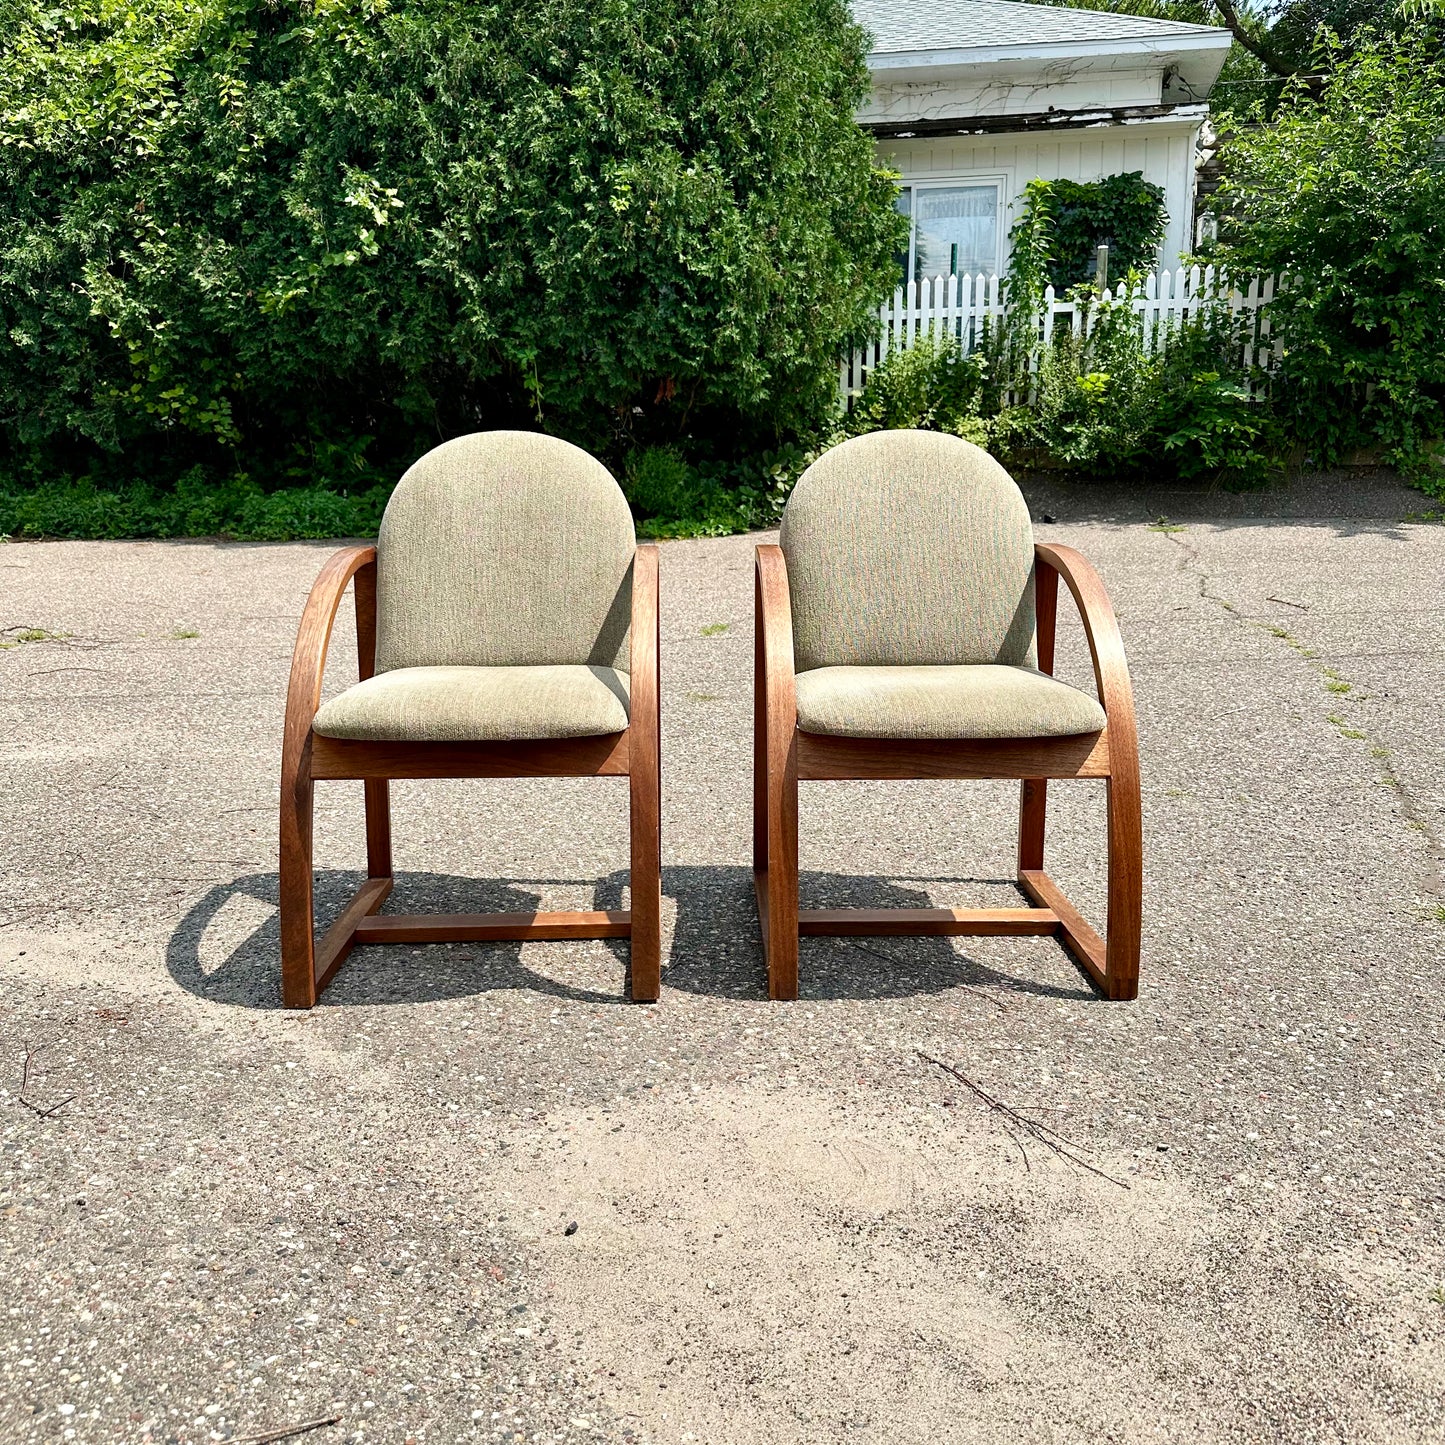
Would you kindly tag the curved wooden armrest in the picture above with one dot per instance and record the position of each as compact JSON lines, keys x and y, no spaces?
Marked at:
{"x":644,"y":682}
{"x":1101,"y":627}
{"x":313,"y":637}
{"x":773,"y":641}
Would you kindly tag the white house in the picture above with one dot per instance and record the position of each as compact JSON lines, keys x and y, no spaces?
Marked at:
{"x":972,"y":99}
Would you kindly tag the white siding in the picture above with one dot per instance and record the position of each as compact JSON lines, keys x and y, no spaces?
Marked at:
{"x":1163,"y":150}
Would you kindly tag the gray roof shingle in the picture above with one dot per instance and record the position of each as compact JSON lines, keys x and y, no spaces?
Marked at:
{"x":903,"y":26}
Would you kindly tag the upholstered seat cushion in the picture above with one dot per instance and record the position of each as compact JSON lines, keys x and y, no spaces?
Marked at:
{"x":479,"y":704}
{"x":985,"y":700}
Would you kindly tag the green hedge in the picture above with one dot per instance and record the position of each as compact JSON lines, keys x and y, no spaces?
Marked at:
{"x":1344,"y":193}
{"x":300,"y":241}
{"x":83,"y":510}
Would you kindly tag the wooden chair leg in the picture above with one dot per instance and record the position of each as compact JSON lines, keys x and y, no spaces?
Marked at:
{"x":762,"y":742}
{"x":378,"y":827}
{"x":760,"y":779}
{"x":1126,"y":888}
{"x":298,"y":937}
{"x":646,"y":877}
{"x":780,"y":916}
{"x":1033,"y":815}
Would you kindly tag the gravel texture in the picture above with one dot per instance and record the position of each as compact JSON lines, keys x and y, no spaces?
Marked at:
{"x":218,"y":1218}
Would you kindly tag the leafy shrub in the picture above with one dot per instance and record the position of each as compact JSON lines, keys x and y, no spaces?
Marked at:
{"x":671,"y":498}
{"x":1345,"y":193}
{"x":1206,"y":422}
{"x":302,"y":240}
{"x":1094,"y":396}
{"x":932,"y":384}
{"x":1209,"y":428}
{"x":659,"y":483}
{"x":1107,"y":403}
{"x":1099,"y":403}
{"x":676,"y":498}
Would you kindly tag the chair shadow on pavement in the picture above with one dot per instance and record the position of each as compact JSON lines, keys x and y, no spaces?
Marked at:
{"x":715,"y":948}
{"x":248,"y":972}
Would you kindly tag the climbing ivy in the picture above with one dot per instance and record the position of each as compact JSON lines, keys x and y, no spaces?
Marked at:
{"x":1064,"y":222}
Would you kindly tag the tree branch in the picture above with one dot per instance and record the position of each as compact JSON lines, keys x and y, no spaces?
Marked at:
{"x":1261,"y":52}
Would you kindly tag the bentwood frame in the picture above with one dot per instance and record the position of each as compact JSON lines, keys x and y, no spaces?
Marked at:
{"x":308,"y":965}
{"x":784,"y":755}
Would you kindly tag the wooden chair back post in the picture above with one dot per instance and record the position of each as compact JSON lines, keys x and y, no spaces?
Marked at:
{"x":376,"y":791}
{"x":1034,"y":792}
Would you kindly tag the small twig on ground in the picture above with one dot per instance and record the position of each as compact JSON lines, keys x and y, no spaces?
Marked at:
{"x":46,"y":1113}
{"x":43,"y":1112}
{"x":1031,"y":1128}
{"x":1028,"y":1168}
{"x":998,"y":1003}
{"x":286,"y":1431}
{"x":1303,"y":606}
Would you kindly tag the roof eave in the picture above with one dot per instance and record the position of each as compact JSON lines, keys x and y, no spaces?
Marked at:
{"x":1203,"y":39}
{"x":1197,"y":54}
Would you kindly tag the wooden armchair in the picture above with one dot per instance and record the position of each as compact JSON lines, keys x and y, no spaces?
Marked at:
{"x":507,"y":627}
{"x":905,"y":629}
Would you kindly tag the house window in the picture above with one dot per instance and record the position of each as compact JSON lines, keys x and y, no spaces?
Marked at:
{"x":955,"y":229}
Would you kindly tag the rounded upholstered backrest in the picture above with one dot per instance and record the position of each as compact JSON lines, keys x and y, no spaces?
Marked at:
{"x":909,"y":547}
{"x":504,"y":549}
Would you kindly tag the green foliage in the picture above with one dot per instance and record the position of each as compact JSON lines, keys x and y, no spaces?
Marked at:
{"x":1102,"y":403}
{"x":302,"y":240}
{"x":1210,"y":429}
{"x":659,"y":483}
{"x":1031,"y":244}
{"x":1063,"y":223}
{"x":1124,"y":212}
{"x":1299,"y":24}
{"x":197,"y":507}
{"x":674,"y":497}
{"x":1206,"y":422}
{"x":1107,"y":404}
{"x":1345,"y":193}
{"x":671,"y":498}
{"x":1054,"y":242}
{"x":1094,"y":397}
{"x":932,"y":384}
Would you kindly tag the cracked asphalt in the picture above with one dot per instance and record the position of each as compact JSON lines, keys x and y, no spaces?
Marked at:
{"x":220,"y":1219}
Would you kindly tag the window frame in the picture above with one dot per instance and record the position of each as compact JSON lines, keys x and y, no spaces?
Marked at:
{"x":999,"y":180}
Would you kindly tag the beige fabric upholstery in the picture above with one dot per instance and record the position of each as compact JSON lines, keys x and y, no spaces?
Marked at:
{"x":980,"y":701}
{"x":909,"y":548}
{"x":504,"y":549}
{"x":479,"y":704}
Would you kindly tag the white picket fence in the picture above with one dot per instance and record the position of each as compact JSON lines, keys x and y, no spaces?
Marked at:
{"x":968,"y":308}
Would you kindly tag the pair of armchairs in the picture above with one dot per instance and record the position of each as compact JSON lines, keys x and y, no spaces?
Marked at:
{"x":507,"y":626}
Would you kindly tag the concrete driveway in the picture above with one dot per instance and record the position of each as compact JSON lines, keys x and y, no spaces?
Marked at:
{"x":219,"y":1219}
